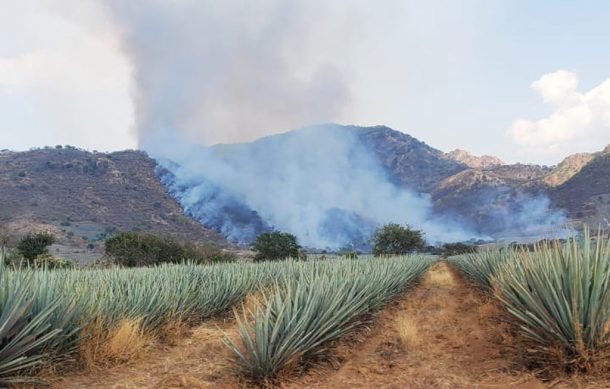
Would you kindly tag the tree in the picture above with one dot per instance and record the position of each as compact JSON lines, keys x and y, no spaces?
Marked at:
{"x":394,"y":239}
{"x":458,"y":248}
{"x":33,"y":245}
{"x":275,"y":245}
{"x":142,"y":249}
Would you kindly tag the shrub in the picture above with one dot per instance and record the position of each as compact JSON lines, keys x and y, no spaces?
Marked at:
{"x":458,"y":248}
{"x":350,"y":254}
{"x":276,"y":245}
{"x":142,"y":249}
{"x":394,"y":239}
{"x":50,"y":262}
{"x":33,"y":245}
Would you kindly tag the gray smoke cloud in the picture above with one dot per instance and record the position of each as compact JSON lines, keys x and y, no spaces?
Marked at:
{"x":228,"y":71}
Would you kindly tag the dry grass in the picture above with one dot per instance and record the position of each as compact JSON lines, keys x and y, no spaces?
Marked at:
{"x":172,"y":332}
{"x":253,"y":301}
{"x":439,"y":276}
{"x":407,"y":329}
{"x":124,"y":342}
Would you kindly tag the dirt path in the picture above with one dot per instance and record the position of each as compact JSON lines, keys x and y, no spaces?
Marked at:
{"x":440,"y":335}
{"x":443,"y":334}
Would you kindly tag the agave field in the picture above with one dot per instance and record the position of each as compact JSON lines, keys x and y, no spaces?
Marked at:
{"x":557,"y":296}
{"x":45,"y":314}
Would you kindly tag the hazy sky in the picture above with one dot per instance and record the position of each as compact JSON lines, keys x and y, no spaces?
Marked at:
{"x":524,"y":80}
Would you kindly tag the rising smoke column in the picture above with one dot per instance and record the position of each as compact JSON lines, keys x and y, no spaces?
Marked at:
{"x":212,"y":71}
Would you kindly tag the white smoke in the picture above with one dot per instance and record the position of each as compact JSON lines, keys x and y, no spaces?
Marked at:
{"x":320,"y":183}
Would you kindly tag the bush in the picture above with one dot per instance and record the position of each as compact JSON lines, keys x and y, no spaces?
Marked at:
{"x":276,"y":245}
{"x":33,"y":245}
{"x":458,"y":248}
{"x":394,"y":239}
{"x":133,"y":249}
{"x":350,"y":254}
{"x":50,"y":262}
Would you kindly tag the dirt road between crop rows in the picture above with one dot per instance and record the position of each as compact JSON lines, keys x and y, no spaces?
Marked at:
{"x":442,"y":334}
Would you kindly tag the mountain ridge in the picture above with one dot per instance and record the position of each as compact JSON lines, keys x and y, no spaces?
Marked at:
{"x":103,"y":192}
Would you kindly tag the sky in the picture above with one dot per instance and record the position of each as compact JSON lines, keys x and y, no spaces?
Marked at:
{"x":523,"y":80}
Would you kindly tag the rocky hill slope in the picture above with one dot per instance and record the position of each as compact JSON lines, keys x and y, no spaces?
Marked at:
{"x":83,"y":197}
{"x":586,"y":194}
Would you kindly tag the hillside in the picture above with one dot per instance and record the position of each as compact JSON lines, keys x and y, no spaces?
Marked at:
{"x":586,"y":195}
{"x":83,"y":197}
{"x":413,"y":163}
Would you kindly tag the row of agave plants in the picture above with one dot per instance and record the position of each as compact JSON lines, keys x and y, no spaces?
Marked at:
{"x":44,"y":314}
{"x":300,"y":315}
{"x":558,"y":297}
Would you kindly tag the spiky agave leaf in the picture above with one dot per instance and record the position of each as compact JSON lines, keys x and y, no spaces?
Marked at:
{"x":482,"y":266}
{"x":560,"y":297}
{"x":322,"y":302}
{"x":23,"y":335}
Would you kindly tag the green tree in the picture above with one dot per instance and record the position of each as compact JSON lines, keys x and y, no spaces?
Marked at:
{"x":276,"y":245}
{"x":133,"y":249}
{"x":458,"y":248}
{"x":394,"y":239}
{"x":33,"y":245}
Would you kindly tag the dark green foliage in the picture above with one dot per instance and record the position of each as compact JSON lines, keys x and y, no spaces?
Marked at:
{"x":33,"y":245}
{"x":23,"y":334}
{"x":48,"y":261}
{"x":458,"y":248}
{"x":351,"y":254}
{"x":133,"y":249}
{"x":394,"y":239}
{"x":276,"y":245}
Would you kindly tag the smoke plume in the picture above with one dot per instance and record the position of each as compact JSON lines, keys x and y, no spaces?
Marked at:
{"x":207,"y":72}
{"x":320,"y":183}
